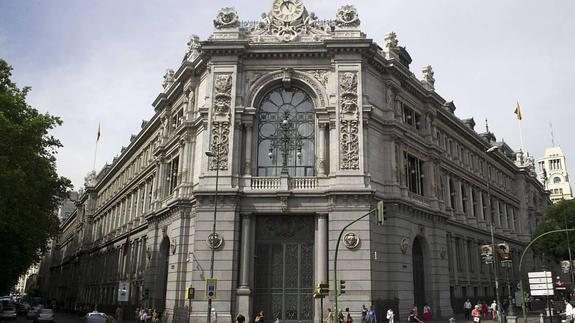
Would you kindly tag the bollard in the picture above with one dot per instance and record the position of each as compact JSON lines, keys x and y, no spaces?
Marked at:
{"x":511,"y":319}
{"x":541,"y":319}
{"x":451,"y":320}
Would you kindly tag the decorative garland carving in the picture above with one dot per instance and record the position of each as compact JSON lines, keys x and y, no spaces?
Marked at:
{"x":321,"y":76}
{"x":221,"y":121}
{"x":348,"y":120}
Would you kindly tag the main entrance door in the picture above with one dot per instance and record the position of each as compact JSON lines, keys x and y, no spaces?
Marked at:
{"x":284,"y":267}
{"x":418,"y":274}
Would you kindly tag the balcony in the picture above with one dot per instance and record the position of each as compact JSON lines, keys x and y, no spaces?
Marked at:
{"x":283,"y":183}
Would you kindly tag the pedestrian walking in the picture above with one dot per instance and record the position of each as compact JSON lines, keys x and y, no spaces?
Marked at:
{"x":476,"y":314}
{"x":119,"y":314}
{"x":329,"y":318}
{"x":568,"y":312}
{"x":214,"y":316}
{"x":426,"y":313}
{"x":484,"y":310}
{"x":363,"y":314}
{"x":259,"y":317}
{"x":240,"y":318}
{"x":372,"y":317}
{"x":413,"y":316}
{"x":347,"y":316}
{"x":390,"y":315}
{"x":494,"y":310}
{"x":467,"y":306}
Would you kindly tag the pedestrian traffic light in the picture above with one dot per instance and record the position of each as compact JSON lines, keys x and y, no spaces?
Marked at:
{"x":380,"y":211}
{"x":341,"y":287}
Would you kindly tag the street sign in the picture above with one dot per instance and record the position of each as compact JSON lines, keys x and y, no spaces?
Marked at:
{"x":542,"y":292}
{"x":540,"y":283}
{"x":211,"y":288}
{"x":541,"y":286}
{"x":123,"y":291}
{"x":540,"y":280}
{"x":538,"y":274}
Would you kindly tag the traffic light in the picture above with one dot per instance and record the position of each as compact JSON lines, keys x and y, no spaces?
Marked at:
{"x":190,"y":292}
{"x":211,"y":288}
{"x":323,"y":289}
{"x":341,"y":287}
{"x":380,"y":211}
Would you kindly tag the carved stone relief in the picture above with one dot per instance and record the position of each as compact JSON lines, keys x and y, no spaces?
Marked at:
{"x":348,"y":120}
{"x":287,"y":21}
{"x":227,"y":18}
{"x":194,"y":48}
{"x":347,"y":17}
{"x":221,"y":114}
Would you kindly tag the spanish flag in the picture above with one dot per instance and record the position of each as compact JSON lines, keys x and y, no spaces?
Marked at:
{"x":518,"y":111}
{"x":98,"y":134}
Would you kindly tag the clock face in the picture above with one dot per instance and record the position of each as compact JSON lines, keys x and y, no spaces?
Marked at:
{"x":287,"y":10}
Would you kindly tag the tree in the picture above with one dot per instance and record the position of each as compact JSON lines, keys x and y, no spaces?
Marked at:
{"x":557,"y":216}
{"x":30,"y":188}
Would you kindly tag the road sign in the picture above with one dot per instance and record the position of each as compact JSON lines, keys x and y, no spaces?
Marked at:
{"x":539,"y":274}
{"x":541,"y":286}
{"x":546,"y":280}
{"x":542,"y":292}
{"x":123,"y":291}
{"x":211,"y":288}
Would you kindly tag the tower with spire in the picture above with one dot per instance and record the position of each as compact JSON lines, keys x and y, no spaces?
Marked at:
{"x":552,"y":172}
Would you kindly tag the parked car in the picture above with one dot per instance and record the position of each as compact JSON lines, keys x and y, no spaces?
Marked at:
{"x":96,"y":317}
{"x":22,"y":308}
{"x":45,"y":315}
{"x":9,"y":313}
{"x":33,"y":312}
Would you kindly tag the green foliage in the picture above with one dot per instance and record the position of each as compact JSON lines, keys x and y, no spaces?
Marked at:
{"x":557,"y":216}
{"x":30,"y":188}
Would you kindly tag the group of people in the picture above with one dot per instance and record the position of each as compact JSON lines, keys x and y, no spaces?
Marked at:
{"x":414,"y":314}
{"x":367,"y":316}
{"x":150,"y":315}
{"x":480,"y":311}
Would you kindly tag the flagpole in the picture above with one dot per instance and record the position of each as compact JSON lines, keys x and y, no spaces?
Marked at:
{"x":521,"y":135}
{"x":96,"y":148}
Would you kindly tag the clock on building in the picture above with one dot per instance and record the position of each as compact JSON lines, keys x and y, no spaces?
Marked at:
{"x":287,"y":10}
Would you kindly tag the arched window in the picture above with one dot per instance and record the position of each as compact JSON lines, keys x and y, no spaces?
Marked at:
{"x":286,"y":130}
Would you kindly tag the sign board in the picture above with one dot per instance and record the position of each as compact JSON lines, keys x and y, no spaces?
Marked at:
{"x":541,"y":286}
{"x":542,"y":292}
{"x":123,"y":291}
{"x":539,"y":274}
{"x":211,"y":288}
{"x":486,"y":253}
{"x":546,"y":280}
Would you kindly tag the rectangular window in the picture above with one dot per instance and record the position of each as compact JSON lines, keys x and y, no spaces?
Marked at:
{"x":172,"y":176}
{"x":413,"y":173}
{"x":411,"y":117}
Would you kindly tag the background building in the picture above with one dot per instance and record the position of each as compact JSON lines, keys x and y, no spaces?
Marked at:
{"x":552,"y":172}
{"x":309,"y":124}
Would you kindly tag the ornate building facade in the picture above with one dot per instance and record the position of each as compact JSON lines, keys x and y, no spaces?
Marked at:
{"x":552,"y":171}
{"x":308,"y":124}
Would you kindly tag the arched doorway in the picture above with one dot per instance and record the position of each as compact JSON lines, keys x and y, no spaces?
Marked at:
{"x":418,"y":273}
{"x":163,"y":262}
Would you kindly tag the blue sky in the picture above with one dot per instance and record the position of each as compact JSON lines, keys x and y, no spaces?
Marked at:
{"x":103,"y":61}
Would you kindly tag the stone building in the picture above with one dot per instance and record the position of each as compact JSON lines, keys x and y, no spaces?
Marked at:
{"x":552,"y":171}
{"x":308,"y":124}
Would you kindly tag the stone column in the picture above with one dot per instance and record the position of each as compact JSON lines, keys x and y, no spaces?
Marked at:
{"x":506,"y":225}
{"x":458,"y":200}
{"x":497,"y":214}
{"x":248,"y":143}
{"x":480,"y":215}
{"x":246,"y":255}
{"x":321,"y":162}
{"x":322,"y":267}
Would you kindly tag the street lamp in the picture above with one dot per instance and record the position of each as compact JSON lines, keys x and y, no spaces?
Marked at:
{"x":486,"y":152}
{"x":286,"y":140}
{"x":213,"y":237}
{"x":506,"y":262}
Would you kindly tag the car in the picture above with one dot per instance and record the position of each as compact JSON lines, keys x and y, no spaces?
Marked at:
{"x":45,"y":315}
{"x":9,"y":313}
{"x":96,"y":317}
{"x":33,"y":312}
{"x":22,"y":308}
